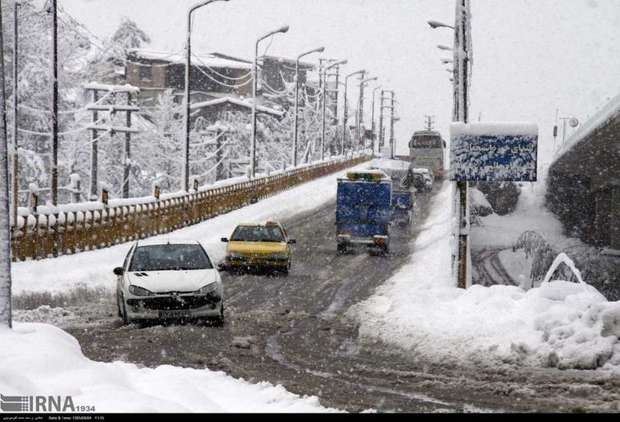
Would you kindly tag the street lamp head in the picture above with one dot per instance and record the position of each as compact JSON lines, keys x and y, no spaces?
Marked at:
{"x":341,"y":62}
{"x":355,"y":73}
{"x":284,"y":29}
{"x":436,"y":24}
{"x":369,"y":80}
{"x":447,"y":61}
{"x":443,"y":47}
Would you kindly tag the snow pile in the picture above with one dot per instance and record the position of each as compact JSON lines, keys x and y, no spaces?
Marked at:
{"x":419,"y":310}
{"x":38,"y":359}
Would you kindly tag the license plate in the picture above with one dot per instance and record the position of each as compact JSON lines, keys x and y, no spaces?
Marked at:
{"x":173,"y":314}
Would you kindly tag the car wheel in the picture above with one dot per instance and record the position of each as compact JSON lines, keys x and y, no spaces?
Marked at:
{"x":219,"y":320}
{"x":342,"y":248}
{"x":118,"y":306}
{"x":126,"y":320}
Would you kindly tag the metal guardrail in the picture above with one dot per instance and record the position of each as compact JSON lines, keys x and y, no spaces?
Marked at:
{"x":39,"y":236}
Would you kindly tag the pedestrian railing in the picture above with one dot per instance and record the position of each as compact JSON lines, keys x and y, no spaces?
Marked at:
{"x":62,"y":232}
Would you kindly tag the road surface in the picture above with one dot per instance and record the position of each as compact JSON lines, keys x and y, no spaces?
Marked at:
{"x":292,"y":331}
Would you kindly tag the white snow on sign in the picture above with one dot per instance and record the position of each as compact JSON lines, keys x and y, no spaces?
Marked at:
{"x":494,"y":152}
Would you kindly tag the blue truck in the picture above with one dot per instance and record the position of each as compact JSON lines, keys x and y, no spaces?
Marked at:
{"x":364,"y":210}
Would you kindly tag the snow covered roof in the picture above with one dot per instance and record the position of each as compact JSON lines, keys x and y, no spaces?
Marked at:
{"x":112,"y":88}
{"x":238,"y":102}
{"x":210,"y":60}
{"x":609,"y":112}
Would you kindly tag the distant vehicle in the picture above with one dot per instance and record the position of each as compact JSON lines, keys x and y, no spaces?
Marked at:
{"x":160,"y":281}
{"x":402,"y":207}
{"x":258,"y":246}
{"x":424,"y":178}
{"x":363,"y":210}
{"x":426,"y":149}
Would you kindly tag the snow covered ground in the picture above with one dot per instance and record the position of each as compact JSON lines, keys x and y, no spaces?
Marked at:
{"x":94,"y":269}
{"x":420,"y":311}
{"x":39,"y":359}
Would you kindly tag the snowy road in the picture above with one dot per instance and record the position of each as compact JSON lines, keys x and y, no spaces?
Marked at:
{"x":490,"y":269}
{"x":292,"y":331}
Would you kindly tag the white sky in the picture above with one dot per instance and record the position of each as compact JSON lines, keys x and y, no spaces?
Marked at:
{"x":530,"y":56}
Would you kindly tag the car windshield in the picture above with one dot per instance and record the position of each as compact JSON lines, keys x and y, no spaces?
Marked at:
{"x":169,"y":258}
{"x":258,"y":234}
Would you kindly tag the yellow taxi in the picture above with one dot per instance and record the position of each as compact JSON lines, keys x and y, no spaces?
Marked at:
{"x":256,"y":245}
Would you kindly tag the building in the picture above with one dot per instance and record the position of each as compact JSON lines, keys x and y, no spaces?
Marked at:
{"x":278,"y":73}
{"x":583,"y":186}
{"x":213,"y":76}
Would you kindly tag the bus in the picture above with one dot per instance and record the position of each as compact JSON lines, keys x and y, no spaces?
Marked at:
{"x":426,"y":150}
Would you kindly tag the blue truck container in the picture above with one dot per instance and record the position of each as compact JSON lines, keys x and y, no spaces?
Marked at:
{"x":364,"y":210}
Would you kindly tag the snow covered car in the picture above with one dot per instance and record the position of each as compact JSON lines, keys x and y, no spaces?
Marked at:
{"x":423,"y":179}
{"x":258,"y":246}
{"x":163,"y":280}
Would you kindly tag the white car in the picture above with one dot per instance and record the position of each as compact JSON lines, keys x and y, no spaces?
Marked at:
{"x":161,"y":281}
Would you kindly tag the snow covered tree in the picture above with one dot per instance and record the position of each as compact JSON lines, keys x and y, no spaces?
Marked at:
{"x":129,"y":35}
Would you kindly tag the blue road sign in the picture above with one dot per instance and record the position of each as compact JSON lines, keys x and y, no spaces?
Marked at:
{"x":494,"y":152}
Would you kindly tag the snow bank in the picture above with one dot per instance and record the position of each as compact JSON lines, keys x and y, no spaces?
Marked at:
{"x":39,"y":359}
{"x":94,"y":268}
{"x":420,"y":311}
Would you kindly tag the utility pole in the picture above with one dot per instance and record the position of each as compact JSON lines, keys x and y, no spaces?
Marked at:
{"x":429,"y":123}
{"x":323,"y":78}
{"x":360,"y":109}
{"x":381,"y":117}
{"x":336,"y":95}
{"x":392,"y":129}
{"x":462,"y":55}
{"x":127,"y":156}
{"x":15,"y":172}
{"x":94,"y":153}
{"x":54,"y":193}
{"x":5,"y":228}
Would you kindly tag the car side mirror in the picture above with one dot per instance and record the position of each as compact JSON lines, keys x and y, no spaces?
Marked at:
{"x":119,"y":271}
{"x":224,"y":239}
{"x":292,"y":241}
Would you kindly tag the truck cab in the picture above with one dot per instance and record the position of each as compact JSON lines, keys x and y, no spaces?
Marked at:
{"x":363,"y":210}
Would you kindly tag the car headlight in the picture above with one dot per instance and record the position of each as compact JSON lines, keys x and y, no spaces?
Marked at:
{"x":282,"y":256}
{"x":209,"y":288}
{"x":233,"y":255}
{"x":139,"y":291}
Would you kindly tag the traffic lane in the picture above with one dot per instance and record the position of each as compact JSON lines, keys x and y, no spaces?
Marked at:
{"x":321,"y":280}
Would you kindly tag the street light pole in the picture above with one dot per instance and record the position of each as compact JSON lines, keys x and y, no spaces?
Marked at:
{"x":282,"y":30}
{"x":296,"y":123}
{"x":374,"y":93}
{"x":462,"y":63}
{"x":324,"y":83}
{"x":188,"y":61}
{"x":360,"y":121}
{"x":346,"y":107}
